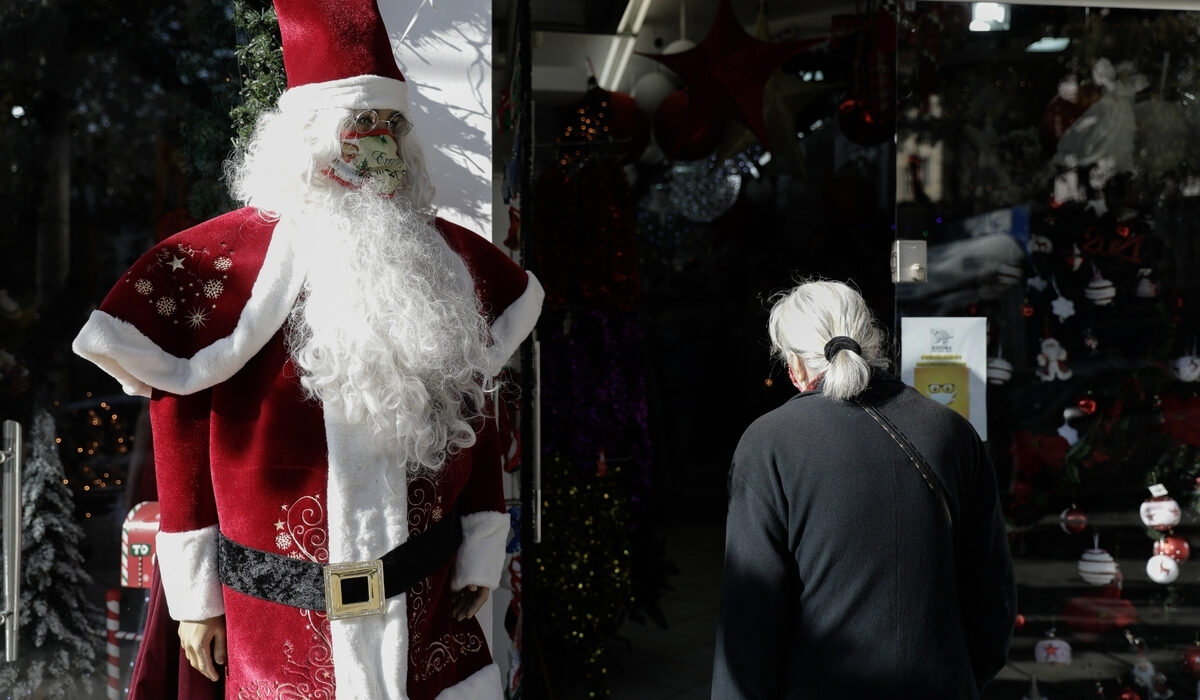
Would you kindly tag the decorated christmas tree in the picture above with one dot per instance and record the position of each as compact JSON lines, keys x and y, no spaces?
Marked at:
{"x":59,"y":651}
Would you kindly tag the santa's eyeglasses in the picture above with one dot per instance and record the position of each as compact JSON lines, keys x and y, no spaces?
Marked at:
{"x":368,"y":120}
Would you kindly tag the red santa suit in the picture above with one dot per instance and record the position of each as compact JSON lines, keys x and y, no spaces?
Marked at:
{"x":196,"y":324}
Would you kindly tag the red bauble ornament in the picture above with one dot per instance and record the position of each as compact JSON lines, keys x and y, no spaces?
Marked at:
{"x":860,"y":124}
{"x":1129,"y":694}
{"x":1191,"y":660}
{"x":686,"y":129}
{"x":627,"y":125}
{"x":1073,"y":521}
{"x":1020,"y":621}
{"x":1088,"y":406}
{"x":1173,"y":546}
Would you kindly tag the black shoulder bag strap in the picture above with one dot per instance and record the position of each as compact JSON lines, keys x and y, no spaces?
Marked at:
{"x":914,"y":456}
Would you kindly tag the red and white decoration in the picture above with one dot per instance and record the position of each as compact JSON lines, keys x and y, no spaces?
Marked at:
{"x":1173,"y":546}
{"x":1052,"y":361}
{"x":1097,"y":566}
{"x":1162,"y":569}
{"x":1052,"y":651}
{"x":999,"y":371}
{"x":1160,"y":511}
{"x":1100,"y":291}
{"x":137,"y":545}
{"x":1072,"y":520}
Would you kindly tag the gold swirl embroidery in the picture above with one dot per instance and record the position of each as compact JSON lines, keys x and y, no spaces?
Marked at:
{"x":447,"y":650}
{"x":300,"y":534}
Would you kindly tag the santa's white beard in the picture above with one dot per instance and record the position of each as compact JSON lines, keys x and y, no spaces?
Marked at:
{"x":385,"y":332}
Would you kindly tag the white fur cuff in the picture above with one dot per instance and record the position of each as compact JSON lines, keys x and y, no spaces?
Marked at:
{"x":357,"y":92}
{"x":187,"y":562}
{"x":484,"y":684}
{"x":480,"y":558}
{"x":516,"y":322}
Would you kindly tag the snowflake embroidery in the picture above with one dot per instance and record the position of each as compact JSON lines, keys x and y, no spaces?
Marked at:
{"x":197,"y":318}
{"x":213,"y":288}
{"x":165,"y":306}
{"x":143,"y":287}
{"x":223,"y":263}
{"x":283,"y":540}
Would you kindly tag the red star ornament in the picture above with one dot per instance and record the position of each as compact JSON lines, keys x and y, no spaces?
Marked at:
{"x":727,"y":72}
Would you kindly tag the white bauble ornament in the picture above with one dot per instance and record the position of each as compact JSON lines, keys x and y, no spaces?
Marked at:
{"x":651,"y":89}
{"x":1097,"y":566}
{"x":1160,"y":511}
{"x":1053,"y":651}
{"x":1186,"y":368}
{"x":1162,"y":569}
{"x":1100,"y":291}
{"x":999,"y":370}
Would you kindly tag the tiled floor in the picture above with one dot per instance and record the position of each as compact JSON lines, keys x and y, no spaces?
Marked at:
{"x":675,"y":663}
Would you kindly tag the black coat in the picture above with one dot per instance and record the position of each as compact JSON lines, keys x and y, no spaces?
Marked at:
{"x":842,"y":576}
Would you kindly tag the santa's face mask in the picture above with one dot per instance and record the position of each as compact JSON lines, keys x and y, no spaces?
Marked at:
{"x":371,"y":160}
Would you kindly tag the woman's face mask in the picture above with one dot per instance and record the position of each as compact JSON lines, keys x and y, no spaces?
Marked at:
{"x":371,"y":160}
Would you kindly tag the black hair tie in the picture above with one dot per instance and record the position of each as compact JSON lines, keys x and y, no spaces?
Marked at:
{"x":840,"y":342}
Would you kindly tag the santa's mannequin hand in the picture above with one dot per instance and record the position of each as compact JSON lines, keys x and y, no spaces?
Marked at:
{"x":468,"y":601}
{"x":197,"y":637}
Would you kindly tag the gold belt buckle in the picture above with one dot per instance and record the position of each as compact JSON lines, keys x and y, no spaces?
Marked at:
{"x":354,"y":589}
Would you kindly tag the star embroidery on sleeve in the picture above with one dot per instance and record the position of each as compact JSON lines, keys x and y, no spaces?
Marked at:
{"x":279,"y":525}
{"x":176,"y":263}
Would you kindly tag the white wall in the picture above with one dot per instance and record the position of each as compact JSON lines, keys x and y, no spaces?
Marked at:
{"x":447,"y":60}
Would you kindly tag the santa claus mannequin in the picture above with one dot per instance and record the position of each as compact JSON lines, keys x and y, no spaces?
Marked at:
{"x":320,"y":364}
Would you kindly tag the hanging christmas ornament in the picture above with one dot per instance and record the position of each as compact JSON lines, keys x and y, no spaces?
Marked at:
{"x":1072,"y":520}
{"x":1162,"y":569}
{"x":1173,"y":546}
{"x":1191,"y":659}
{"x":1147,"y":288}
{"x":1160,"y":511}
{"x":1129,"y":694}
{"x":1097,"y":566}
{"x":1187,"y":368}
{"x":1090,"y":341}
{"x":1052,"y":650}
{"x":702,"y":191}
{"x":1052,"y":361}
{"x":1062,"y":307}
{"x":1100,"y":291}
{"x":650,"y":90}
{"x":1037,"y":284}
{"x":999,"y":370}
{"x":1087,"y":406}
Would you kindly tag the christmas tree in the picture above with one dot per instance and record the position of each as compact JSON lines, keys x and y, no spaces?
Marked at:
{"x":59,"y":642}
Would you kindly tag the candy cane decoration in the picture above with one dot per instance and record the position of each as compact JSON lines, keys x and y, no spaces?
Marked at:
{"x":112,"y":603}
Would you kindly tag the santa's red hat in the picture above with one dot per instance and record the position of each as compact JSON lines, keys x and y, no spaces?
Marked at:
{"x":337,"y":54}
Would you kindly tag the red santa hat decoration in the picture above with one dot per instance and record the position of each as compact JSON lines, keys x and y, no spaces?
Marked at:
{"x":337,"y":54}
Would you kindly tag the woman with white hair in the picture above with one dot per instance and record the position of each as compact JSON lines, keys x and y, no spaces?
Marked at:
{"x":865,"y":553}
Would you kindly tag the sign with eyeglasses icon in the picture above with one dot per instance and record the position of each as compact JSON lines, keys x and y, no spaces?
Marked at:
{"x":946,"y":360}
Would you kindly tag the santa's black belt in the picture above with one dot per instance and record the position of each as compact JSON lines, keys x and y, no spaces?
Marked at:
{"x":353,"y":589}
